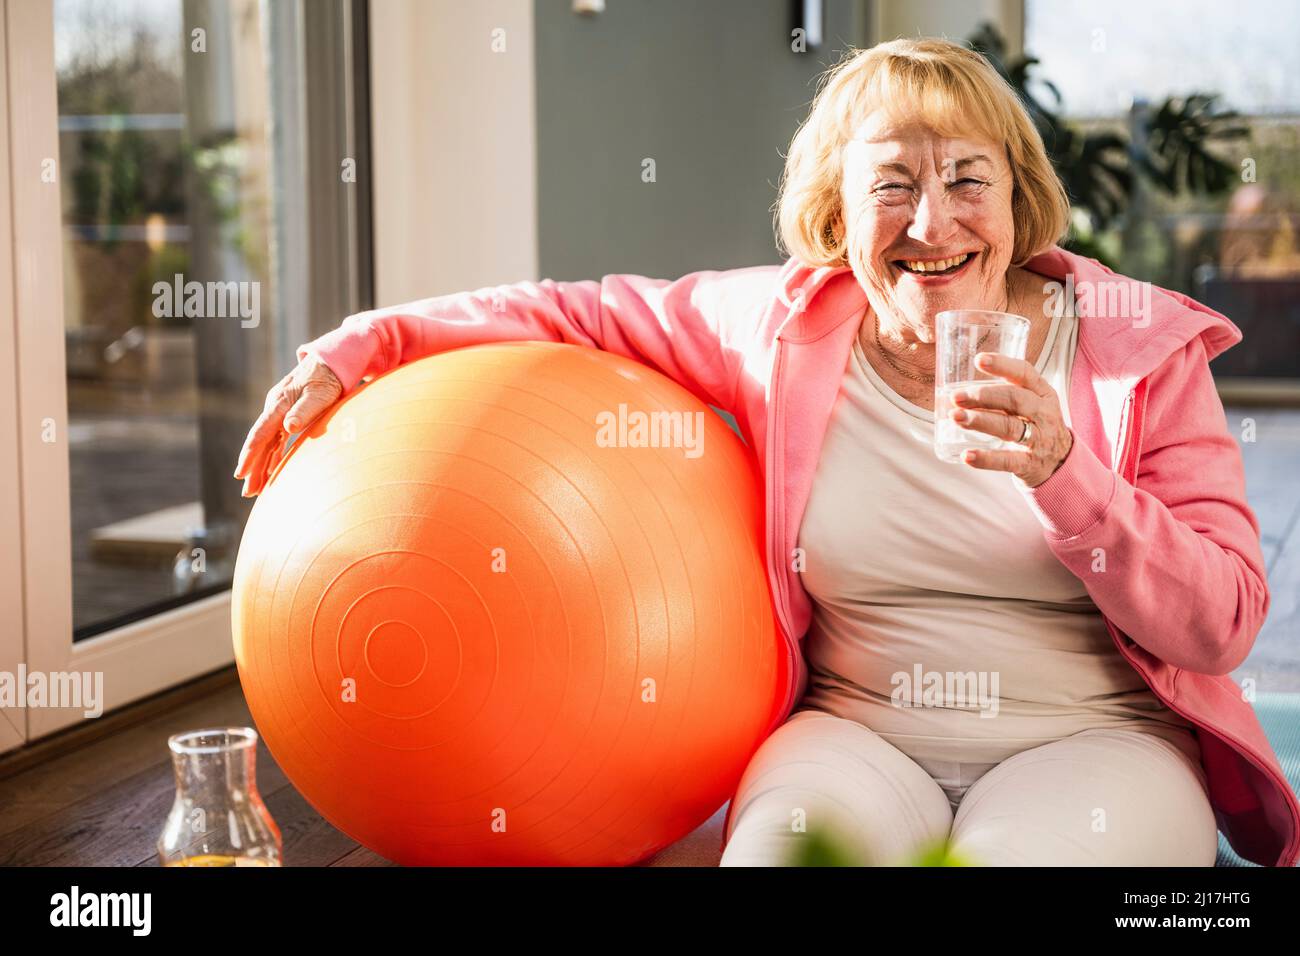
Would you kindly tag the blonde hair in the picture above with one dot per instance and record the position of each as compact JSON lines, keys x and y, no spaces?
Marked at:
{"x":955,"y":92}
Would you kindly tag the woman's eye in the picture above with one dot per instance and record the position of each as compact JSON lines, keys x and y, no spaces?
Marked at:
{"x":968,"y":179}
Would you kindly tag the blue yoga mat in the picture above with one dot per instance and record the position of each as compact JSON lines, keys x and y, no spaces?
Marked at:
{"x":1280,"y":716}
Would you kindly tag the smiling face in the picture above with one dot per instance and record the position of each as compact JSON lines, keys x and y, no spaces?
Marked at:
{"x":929,"y":222}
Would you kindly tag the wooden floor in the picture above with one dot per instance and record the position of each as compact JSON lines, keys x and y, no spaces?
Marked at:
{"x":103,"y":803}
{"x":98,"y":795}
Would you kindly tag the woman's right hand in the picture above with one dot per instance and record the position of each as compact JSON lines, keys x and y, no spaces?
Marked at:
{"x":294,"y":403}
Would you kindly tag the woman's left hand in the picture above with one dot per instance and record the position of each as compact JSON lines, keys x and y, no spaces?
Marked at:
{"x":1002,"y":408}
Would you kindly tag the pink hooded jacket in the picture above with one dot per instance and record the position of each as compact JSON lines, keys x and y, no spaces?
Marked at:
{"x":1154,"y":478}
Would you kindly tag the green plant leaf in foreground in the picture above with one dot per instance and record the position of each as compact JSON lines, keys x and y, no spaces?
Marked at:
{"x":821,"y":846}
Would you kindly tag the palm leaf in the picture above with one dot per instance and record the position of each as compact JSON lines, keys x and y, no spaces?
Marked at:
{"x":1173,"y":151}
{"x":1179,"y":135}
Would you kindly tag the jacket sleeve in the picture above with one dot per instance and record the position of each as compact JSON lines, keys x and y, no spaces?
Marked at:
{"x":694,"y":329}
{"x":1174,"y":562}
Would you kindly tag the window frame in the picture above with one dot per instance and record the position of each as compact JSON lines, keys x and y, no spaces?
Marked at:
{"x":176,"y":644}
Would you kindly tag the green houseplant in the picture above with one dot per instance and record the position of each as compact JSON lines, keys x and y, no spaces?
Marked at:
{"x":1169,"y":147}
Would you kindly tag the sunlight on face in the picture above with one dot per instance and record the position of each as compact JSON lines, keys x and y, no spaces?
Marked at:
{"x":911,"y":196}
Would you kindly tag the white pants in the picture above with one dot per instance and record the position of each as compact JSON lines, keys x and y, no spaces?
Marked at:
{"x":1098,"y":798}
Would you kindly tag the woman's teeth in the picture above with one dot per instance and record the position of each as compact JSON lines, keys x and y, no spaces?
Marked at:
{"x":939,"y":266}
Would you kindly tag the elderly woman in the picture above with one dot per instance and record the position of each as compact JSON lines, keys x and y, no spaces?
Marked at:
{"x":1091,"y":584}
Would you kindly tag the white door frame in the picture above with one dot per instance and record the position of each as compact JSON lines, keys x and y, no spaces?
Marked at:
{"x":138,"y":659}
{"x":13,"y":723}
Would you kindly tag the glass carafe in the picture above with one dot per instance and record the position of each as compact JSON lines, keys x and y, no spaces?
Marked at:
{"x":218,"y":817}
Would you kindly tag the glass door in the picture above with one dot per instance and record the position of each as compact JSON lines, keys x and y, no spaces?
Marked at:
{"x":188,"y":187}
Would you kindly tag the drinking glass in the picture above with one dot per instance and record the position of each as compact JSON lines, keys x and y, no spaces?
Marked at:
{"x":218,"y":817}
{"x":961,"y":334}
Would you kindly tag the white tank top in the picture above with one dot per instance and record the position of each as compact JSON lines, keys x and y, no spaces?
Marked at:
{"x":930,"y":574}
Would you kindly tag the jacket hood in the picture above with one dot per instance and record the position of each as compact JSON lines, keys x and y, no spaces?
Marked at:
{"x":1129,"y":328}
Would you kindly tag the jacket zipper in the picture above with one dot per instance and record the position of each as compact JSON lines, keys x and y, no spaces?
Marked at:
{"x":776,"y":566}
{"x":776,"y":534}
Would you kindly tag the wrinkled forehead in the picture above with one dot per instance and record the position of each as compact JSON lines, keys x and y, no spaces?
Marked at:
{"x":886,"y":140}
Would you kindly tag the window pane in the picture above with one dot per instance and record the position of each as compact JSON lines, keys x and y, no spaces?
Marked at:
{"x":1100,"y":55}
{"x":173,"y":203}
{"x":1214,"y":208}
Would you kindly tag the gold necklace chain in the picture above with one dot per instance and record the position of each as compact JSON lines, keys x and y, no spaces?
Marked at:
{"x":895,"y":366}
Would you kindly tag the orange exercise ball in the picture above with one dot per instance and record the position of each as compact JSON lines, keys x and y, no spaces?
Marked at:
{"x":493,"y":609}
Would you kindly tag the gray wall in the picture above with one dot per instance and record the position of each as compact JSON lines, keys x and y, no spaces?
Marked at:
{"x":709,"y":89}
